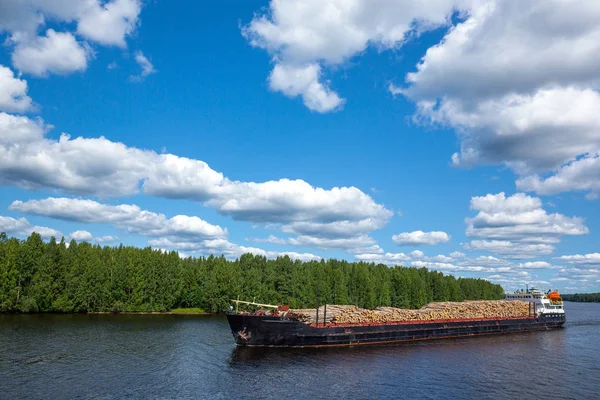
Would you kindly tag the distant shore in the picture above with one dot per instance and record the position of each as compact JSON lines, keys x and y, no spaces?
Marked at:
{"x":175,"y":311}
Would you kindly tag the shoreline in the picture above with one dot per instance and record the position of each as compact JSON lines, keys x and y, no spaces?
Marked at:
{"x":144,"y":313}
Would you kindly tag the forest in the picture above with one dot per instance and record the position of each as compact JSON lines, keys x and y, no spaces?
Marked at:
{"x":39,"y":276}
{"x":582,"y":297}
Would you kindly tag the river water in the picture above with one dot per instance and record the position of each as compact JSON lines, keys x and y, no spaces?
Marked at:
{"x":185,"y":357}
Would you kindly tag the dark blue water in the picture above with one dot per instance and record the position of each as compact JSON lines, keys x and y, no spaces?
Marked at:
{"x":185,"y":357}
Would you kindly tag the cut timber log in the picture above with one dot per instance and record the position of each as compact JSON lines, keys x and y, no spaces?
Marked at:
{"x":347,"y":314}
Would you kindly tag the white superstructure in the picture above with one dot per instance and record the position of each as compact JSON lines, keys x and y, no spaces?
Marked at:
{"x":543,"y":303}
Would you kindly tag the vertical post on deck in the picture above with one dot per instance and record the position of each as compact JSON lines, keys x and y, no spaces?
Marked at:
{"x":317,"y":319}
{"x":325,"y":314}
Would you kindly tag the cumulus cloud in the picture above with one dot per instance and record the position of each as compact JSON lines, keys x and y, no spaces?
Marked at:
{"x":228,"y":249}
{"x":349,"y":244}
{"x":504,"y":91}
{"x":581,"y":259}
{"x":503,"y":271}
{"x":106,"y":239}
{"x":125,"y":216}
{"x":580,"y":174}
{"x":22,"y":227}
{"x":83,"y":235}
{"x":582,"y":275}
{"x":507,"y":91}
{"x":104,"y":22}
{"x":536,"y":265}
{"x":417,"y":238}
{"x":181,"y":233}
{"x":58,"y":53}
{"x":517,"y":225}
{"x":303,"y":81}
{"x":13,"y":92}
{"x":302,"y":36}
{"x":510,"y":249}
{"x":100,"y":167}
{"x":352,"y":244}
{"x":387,"y":258}
{"x":108,"y":23}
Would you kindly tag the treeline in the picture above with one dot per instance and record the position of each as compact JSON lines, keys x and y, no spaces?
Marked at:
{"x":582,"y":297}
{"x":38,"y":276}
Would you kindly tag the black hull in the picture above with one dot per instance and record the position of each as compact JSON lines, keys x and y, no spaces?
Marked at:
{"x":249,"y":330}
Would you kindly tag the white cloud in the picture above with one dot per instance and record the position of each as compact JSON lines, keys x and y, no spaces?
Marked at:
{"x":271,"y":239}
{"x":304,"y":35}
{"x":294,"y":256}
{"x":57,"y":52}
{"x":417,"y":254}
{"x":22,"y":227}
{"x":353,"y":244}
{"x":560,"y":123}
{"x":441,"y":258}
{"x":417,"y":238}
{"x":79,"y":166}
{"x":110,"y":22}
{"x":100,"y":167}
{"x":181,"y":232}
{"x":124,"y":216}
{"x":15,"y":132}
{"x":104,"y":22}
{"x":227,"y":248}
{"x":339,"y":229}
{"x":487,"y":261}
{"x":510,"y":249}
{"x":448,"y":267}
{"x":303,"y":81}
{"x":106,"y":239}
{"x":581,"y":259}
{"x":387,"y":258}
{"x":349,"y":244}
{"x":13,"y":92}
{"x":553,"y":34}
{"x":518,"y":223}
{"x":583,"y":275}
{"x":145,"y":65}
{"x":504,"y":271}
{"x":536,"y":265}
{"x":81,"y":235}
{"x":580,"y":174}
{"x":516,"y":76}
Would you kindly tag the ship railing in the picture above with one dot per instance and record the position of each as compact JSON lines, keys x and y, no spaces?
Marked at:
{"x":251,"y":303}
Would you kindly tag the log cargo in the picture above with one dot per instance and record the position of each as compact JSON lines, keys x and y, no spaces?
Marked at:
{"x":346,"y":314}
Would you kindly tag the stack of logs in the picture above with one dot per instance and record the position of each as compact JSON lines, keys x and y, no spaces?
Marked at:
{"x":433,"y":311}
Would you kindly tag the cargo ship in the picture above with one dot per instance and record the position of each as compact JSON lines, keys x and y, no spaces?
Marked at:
{"x":275,"y":326}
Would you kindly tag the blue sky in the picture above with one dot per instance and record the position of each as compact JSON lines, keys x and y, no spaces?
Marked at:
{"x":389,"y":133}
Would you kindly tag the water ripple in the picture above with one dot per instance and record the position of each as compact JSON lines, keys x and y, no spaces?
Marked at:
{"x":189,"y":357}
